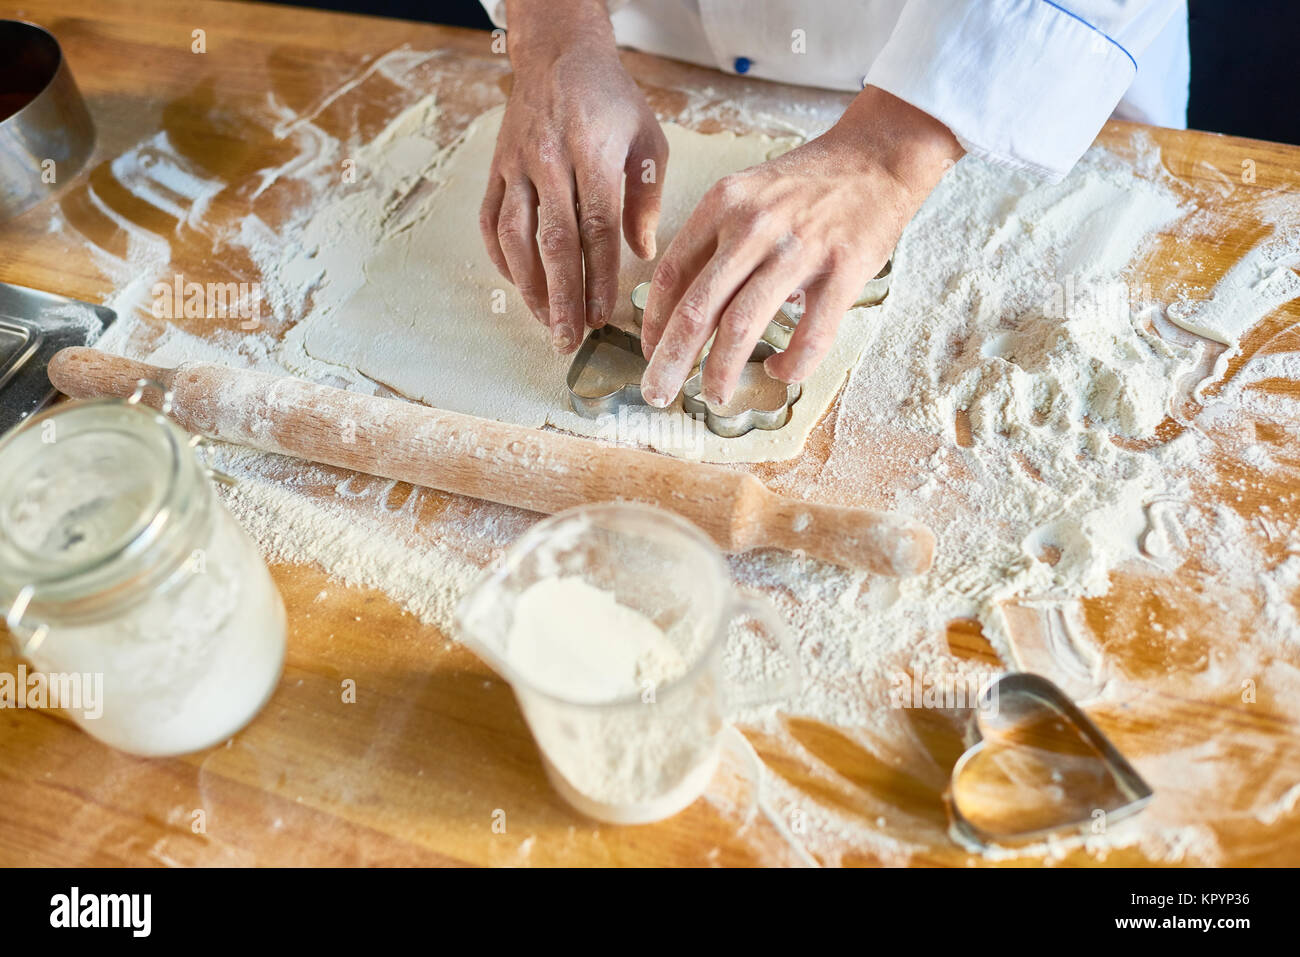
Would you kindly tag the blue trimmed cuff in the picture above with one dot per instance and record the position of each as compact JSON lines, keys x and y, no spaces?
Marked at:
{"x":1025,"y":84}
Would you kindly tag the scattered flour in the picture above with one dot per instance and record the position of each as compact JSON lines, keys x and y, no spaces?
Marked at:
{"x":1016,"y":392}
{"x":1263,"y":279}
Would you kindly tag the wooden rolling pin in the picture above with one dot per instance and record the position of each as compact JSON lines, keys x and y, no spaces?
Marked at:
{"x":510,"y":464}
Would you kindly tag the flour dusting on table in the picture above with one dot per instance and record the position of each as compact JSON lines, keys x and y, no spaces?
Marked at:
{"x":1052,"y":422}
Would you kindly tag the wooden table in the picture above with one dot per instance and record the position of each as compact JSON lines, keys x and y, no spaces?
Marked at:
{"x":420,"y":770}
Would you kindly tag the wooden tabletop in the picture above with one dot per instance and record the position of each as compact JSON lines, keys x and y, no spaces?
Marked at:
{"x":426,"y":767}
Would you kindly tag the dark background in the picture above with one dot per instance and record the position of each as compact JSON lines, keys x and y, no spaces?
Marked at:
{"x":1245,"y":58}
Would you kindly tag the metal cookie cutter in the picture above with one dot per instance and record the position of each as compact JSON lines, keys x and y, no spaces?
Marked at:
{"x":876,"y":289}
{"x":745,"y":421}
{"x":639,"y":296}
{"x":592,"y":406}
{"x":1025,"y":718}
{"x":781,"y":328}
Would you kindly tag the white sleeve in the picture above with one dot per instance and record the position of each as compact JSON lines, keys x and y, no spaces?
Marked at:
{"x":1023,"y":83}
{"x":496,"y":9}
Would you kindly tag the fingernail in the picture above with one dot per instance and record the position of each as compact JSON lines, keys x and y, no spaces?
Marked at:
{"x":789,"y":379}
{"x":648,"y":243}
{"x":595,"y":314}
{"x":561,"y":339}
{"x":654,"y":396}
{"x":544,"y":317}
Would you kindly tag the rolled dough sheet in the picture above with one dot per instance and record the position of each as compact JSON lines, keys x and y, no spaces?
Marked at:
{"x":436,"y":322}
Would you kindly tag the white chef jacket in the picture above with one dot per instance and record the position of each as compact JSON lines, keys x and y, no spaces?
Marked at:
{"x":1027,"y":84}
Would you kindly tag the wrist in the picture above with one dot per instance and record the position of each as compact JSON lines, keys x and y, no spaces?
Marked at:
{"x":890,"y":135}
{"x":541,"y":31}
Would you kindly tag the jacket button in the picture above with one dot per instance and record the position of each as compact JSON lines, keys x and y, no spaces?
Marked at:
{"x":742,"y":64}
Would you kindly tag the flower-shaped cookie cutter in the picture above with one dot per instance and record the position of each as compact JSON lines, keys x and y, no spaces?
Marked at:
{"x":734,"y":425}
{"x":781,"y":327}
{"x":730,"y":425}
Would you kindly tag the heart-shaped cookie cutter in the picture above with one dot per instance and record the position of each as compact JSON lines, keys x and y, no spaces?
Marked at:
{"x":993,"y":699}
{"x":732,"y":426}
{"x":594,"y":406}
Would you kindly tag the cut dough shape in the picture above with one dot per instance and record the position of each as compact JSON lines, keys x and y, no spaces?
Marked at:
{"x":436,"y":322}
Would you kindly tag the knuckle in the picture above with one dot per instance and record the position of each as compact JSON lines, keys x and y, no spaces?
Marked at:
{"x":555,"y":240}
{"x":512,"y":229}
{"x":666,"y":277}
{"x":691,"y":314}
{"x":739,"y":320}
{"x":840,"y":264}
{"x":729,"y":190}
{"x":597,"y":222}
{"x":845,"y":263}
{"x":788,"y":247}
{"x":549,"y":154}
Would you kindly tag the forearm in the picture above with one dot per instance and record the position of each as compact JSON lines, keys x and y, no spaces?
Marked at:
{"x":542,"y":30}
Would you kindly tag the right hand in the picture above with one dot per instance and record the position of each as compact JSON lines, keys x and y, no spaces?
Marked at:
{"x":574,"y":126}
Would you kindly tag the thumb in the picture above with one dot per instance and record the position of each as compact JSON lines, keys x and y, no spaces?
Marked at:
{"x":643,"y":194}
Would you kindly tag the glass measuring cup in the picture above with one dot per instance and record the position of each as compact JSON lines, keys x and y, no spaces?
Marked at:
{"x":621,"y":744}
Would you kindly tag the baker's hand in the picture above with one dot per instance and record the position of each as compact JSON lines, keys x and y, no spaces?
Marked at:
{"x":820,"y":220}
{"x":574,"y":125}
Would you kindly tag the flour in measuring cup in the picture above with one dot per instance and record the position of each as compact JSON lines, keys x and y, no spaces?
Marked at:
{"x":578,"y":642}
{"x":643,"y":758}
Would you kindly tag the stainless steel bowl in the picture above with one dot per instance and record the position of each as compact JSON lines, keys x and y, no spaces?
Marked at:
{"x":46,"y":133}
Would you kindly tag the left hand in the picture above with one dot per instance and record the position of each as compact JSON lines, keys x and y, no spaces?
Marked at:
{"x":822,"y":219}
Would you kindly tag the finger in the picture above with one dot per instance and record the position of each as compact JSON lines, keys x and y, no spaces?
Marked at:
{"x":561,"y":249}
{"x":647,"y":162}
{"x":517,"y":233}
{"x":693,"y":320}
{"x":489,"y":216}
{"x":598,"y":229}
{"x":687,"y":254}
{"x":743,"y":321}
{"x":828,"y":300}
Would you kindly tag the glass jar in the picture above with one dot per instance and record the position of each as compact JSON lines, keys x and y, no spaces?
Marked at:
{"x":119,"y":565}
